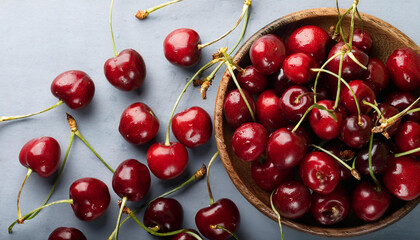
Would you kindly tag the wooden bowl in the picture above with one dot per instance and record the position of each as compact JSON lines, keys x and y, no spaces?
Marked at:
{"x":386,"y":39}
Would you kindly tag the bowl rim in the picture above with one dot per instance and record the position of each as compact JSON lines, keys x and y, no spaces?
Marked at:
{"x":239,"y":184}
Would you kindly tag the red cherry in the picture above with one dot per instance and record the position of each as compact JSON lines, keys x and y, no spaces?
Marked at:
{"x":362,"y":92}
{"x":249,"y":141}
{"x":67,"y":233}
{"x":90,"y":198}
{"x":292,"y":199}
{"x":268,"y":111}
{"x":381,"y":156}
{"x":267,"y":54}
{"x":166,"y":214}
{"x":342,"y":151}
{"x":295,"y":101}
{"x":126,"y":71}
{"x":324,"y":126}
{"x":192,"y":127}
{"x":181,"y":47}
{"x":401,"y":100}
{"x":376,"y":76}
{"x":138,"y":123}
{"x":279,"y":82}
{"x":332,"y":208}
{"x":356,"y":135}
{"x":42,"y":155}
{"x":408,"y":137}
{"x":75,"y":88}
{"x":167,"y":161}
{"x":404,"y":67}
{"x":235,"y":110}
{"x":369,"y":204}
{"x":223,"y":213}
{"x":267,"y":176}
{"x":252,"y":80}
{"x":297,"y":68}
{"x":185,"y":236}
{"x":362,"y":40}
{"x":387,"y":111}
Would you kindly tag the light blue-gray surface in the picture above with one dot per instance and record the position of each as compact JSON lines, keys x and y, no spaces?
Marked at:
{"x":40,"y":39}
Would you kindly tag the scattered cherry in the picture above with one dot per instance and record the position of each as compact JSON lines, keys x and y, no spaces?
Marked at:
{"x":167,"y":161}
{"x":164,"y":215}
{"x":67,"y":233}
{"x":181,"y":47}
{"x":185,"y":236}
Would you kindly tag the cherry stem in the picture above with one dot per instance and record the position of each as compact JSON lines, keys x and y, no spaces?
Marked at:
{"x":297,"y":99}
{"x":319,"y":72}
{"x":225,"y":229}
{"x":144,"y":13}
{"x":407,"y":152}
{"x":208,"y":177}
{"x":123,"y":202}
{"x":110,"y":28}
{"x":340,"y":69}
{"x":339,"y":25}
{"x":28,"y":173}
{"x":303,"y":117}
{"x":353,"y":13}
{"x":414,"y":110}
{"x":402,"y":113}
{"x":376,"y":109}
{"x":375,"y":180}
{"x":351,"y":55}
{"x":278,"y":215}
{"x":7,"y":118}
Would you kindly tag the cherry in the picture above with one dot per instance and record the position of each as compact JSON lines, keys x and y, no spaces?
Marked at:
{"x":402,"y":178}
{"x":303,"y":131}
{"x":295,"y":101}
{"x":381,"y":156}
{"x":249,"y":141}
{"x":311,"y":40}
{"x":185,"y":236}
{"x":67,"y":233}
{"x":235,"y":110}
{"x":362,"y":92}
{"x":267,"y":176}
{"x":252,"y":80}
{"x":322,"y":123}
{"x":368,"y":203}
{"x":408,"y":137}
{"x":126,"y":71}
{"x":268,"y":111}
{"x":192,"y":127}
{"x":138,"y":123}
{"x":356,"y":134}
{"x":401,"y":100}
{"x":342,"y":151}
{"x":267,"y":54}
{"x":362,"y":40}
{"x":286,"y":148}
{"x":331,"y":208}
{"x":319,"y":172}
{"x":404,"y":67}
{"x":279,"y":82}
{"x":164,"y":215}
{"x":376,"y":76}
{"x":387,"y":111}
{"x":292,"y":199}
{"x":223,"y":213}
{"x":75,"y":88}
{"x":181,"y":47}
{"x":167,"y":161}
{"x":297,"y":68}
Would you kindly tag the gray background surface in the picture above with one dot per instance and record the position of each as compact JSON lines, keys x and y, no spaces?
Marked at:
{"x":41,"y":39}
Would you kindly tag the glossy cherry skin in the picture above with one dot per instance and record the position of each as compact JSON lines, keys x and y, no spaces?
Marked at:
{"x":235,"y":110}
{"x":319,"y":172}
{"x":292,"y":199}
{"x":362,"y":40}
{"x":42,"y":155}
{"x":408,"y":137}
{"x":252,"y":80}
{"x":138,"y":123}
{"x":279,"y":82}
{"x":131,"y":180}
{"x":90,"y":198}
{"x":185,"y":236}
{"x":354,"y":134}
{"x":297,"y":68}
{"x":323,"y":125}
{"x":75,"y":88}
{"x":192,"y":127}
{"x":166,"y":213}
{"x":402,"y":178}
{"x":167,"y":162}
{"x":381,"y":156}
{"x":286,"y":148}
{"x":331,"y":208}
{"x":267,"y":176}
{"x":376,"y":76}
{"x":350,"y":69}
{"x":401,"y":100}
{"x":126,"y":71}
{"x":181,"y":47}
{"x":311,"y":40}
{"x":267,"y":54}
{"x":222,"y":213}
{"x":369,"y":204}
{"x":268,"y":111}
{"x":404,"y":67}
{"x":67,"y":233}
{"x":387,"y":111}
{"x":249,"y":141}
{"x":342,"y":151}
{"x":295,"y":101}
{"x":362,"y":92}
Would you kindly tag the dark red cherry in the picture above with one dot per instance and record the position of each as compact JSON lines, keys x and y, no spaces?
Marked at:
{"x":408,"y":137}
{"x":165,"y":214}
{"x":387,"y":111}
{"x":126,"y":71}
{"x":362,"y":40}
{"x":311,"y":40}
{"x":138,"y":123}
{"x":167,"y":162}
{"x":342,"y":151}
{"x":286,"y":148}
{"x":42,"y":155}
{"x":402,"y":178}
{"x":297,"y":68}
{"x":90,"y":198}
{"x":181,"y":47}
{"x":192,"y":127}
{"x":404,"y":67}
{"x":249,"y":141}
{"x":235,"y":110}
{"x":268,"y":111}
{"x":292,"y":199}
{"x":267,"y":54}
{"x":376,"y":76}
{"x":279,"y":82}
{"x":223,"y":213}
{"x":356,"y":135}
{"x":132,"y":180}
{"x":323,"y":124}
{"x":369,"y":204}
{"x":381,"y":156}
{"x":252,"y":80}
{"x":304,"y":131}
{"x":75,"y":88}
{"x":295,"y":101}
{"x":362,"y":92}
{"x":67,"y":233}
{"x":331,"y":208}
{"x":185,"y":236}
{"x":401,"y":100}
{"x":267,"y":176}
{"x":319,"y":172}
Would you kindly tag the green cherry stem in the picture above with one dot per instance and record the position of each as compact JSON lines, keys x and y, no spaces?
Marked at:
{"x":378,"y":111}
{"x":402,"y":113}
{"x":110,"y":28}
{"x":28,"y":173}
{"x":375,"y":180}
{"x":340,"y":69}
{"x":8,"y":118}
{"x":208,"y":177}
{"x":330,"y":112}
{"x":142,"y":14}
{"x":353,"y":13}
{"x":407,"y":152}
{"x":278,"y":215}
{"x":123,"y":202}
{"x":225,"y":229}
{"x":319,"y":72}
{"x":413,"y":110}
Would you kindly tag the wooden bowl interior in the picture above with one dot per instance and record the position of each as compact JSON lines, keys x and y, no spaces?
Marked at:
{"x":386,"y":39}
